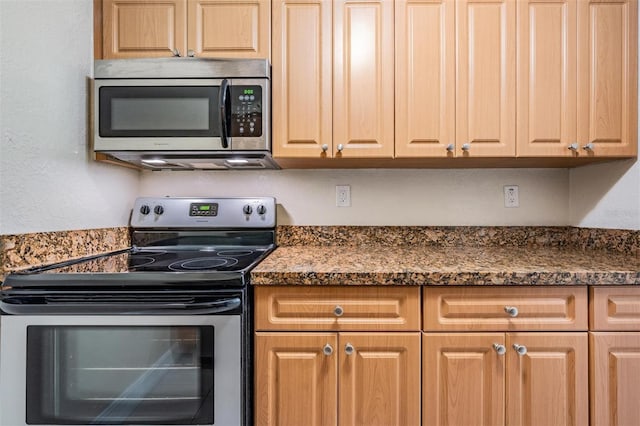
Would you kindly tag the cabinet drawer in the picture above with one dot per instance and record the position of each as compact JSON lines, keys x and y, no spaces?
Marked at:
{"x":337,"y":308}
{"x":487,"y":308}
{"x":615,"y":308}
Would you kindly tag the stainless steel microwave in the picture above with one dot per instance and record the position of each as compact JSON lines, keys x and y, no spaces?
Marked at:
{"x":183,"y":113}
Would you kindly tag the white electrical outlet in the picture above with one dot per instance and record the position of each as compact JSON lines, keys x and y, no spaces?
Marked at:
{"x":343,"y":196}
{"x":511,"y":196}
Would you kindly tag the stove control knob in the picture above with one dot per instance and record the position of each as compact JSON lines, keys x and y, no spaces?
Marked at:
{"x":261,"y":209}
{"x":247,"y":209}
{"x":144,"y":209}
{"x":158,"y":210}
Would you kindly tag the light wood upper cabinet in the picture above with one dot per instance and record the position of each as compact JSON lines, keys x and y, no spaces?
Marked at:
{"x":203,"y":28}
{"x":302,"y":78}
{"x":607,"y":77}
{"x":229,"y":28}
{"x":485,"y":91}
{"x":333,"y":78}
{"x":577,"y":78}
{"x":547,"y":65}
{"x":296,"y":381}
{"x":455,"y":78}
{"x":363,"y":67}
{"x":143,"y":28}
{"x":425,"y":78}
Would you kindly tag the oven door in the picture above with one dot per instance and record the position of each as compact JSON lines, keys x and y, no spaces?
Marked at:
{"x":125,"y":370}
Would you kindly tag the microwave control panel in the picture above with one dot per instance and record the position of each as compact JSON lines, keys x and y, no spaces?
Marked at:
{"x":246,"y":111}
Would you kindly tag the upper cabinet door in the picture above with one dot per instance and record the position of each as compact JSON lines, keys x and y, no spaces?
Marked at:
{"x":546,"y":90}
{"x":607,"y":77}
{"x":425,"y":78}
{"x":485,"y":98}
{"x":143,"y":28}
{"x":302,"y":78}
{"x":229,"y":28}
{"x":363,"y":108}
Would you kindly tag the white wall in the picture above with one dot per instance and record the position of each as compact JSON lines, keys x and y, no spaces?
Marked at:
{"x":385,"y":197}
{"x":47,"y":181}
{"x":606,"y":195}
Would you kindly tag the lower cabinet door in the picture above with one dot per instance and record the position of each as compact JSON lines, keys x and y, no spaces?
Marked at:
{"x":296,"y":379}
{"x":379,"y":379}
{"x":547,"y":379}
{"x":463,"y":376}
{"x":615,"y":378}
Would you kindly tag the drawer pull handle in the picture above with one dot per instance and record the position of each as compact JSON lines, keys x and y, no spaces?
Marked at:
{"x":511,"y":310}
{"x":338,"y":311}
{"x":520,"y":349}
{"x":349,"y":349}
{"x":327,"y":350}
{"x":500,"y":349}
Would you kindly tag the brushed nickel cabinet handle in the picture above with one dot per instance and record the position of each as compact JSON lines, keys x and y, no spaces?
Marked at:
{"x":511,"y":310}
{"x":327,"y":349}
{"x":520,"y":349}
{"x":349,"y":349}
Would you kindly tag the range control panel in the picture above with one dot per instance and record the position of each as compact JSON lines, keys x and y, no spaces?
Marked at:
{"x":179,"y":212}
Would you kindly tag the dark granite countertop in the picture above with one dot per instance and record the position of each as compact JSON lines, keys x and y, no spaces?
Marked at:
{"x":380,"y":263}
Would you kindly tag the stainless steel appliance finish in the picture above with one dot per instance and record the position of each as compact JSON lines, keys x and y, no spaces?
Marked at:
{"x":159,"y":333}
{"x":183,"y":113}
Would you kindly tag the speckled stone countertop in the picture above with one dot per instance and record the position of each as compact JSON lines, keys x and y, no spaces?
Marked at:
{"x":23,"y":251}
{"x":435,"y":256}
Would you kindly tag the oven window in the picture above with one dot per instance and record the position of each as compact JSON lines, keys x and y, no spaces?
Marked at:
{"x":120,"y":375}
{"x":159,"y":111}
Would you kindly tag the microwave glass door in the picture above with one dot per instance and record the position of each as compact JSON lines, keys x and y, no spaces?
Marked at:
{"x":120,"y":375}
{"x":159,"y":111}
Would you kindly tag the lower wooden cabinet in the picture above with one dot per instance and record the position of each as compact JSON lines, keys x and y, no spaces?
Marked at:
{"x":614,"y":355}
{"x":295,"y":379}
{"x":505,"y":378}
{"x":342,"y":356}
{"x":615,"y":378}
{"x":341,"y":379}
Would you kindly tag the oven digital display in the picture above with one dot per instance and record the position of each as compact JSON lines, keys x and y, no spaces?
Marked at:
{"x":203,"y":209}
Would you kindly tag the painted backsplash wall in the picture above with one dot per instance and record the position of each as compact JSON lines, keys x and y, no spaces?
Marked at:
{"x":606,"y":195}
{"x":47,"y":180}
{"x":48,"y":183}
{"x":386,"y":197}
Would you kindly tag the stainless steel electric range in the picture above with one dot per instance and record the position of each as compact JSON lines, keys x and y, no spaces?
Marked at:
{"x":159,"y":333}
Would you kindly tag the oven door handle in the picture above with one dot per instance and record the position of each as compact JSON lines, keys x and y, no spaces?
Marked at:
{"x":15,"y":306}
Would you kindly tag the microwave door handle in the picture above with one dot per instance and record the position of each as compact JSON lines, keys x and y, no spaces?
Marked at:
{"x":222,"y":104}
